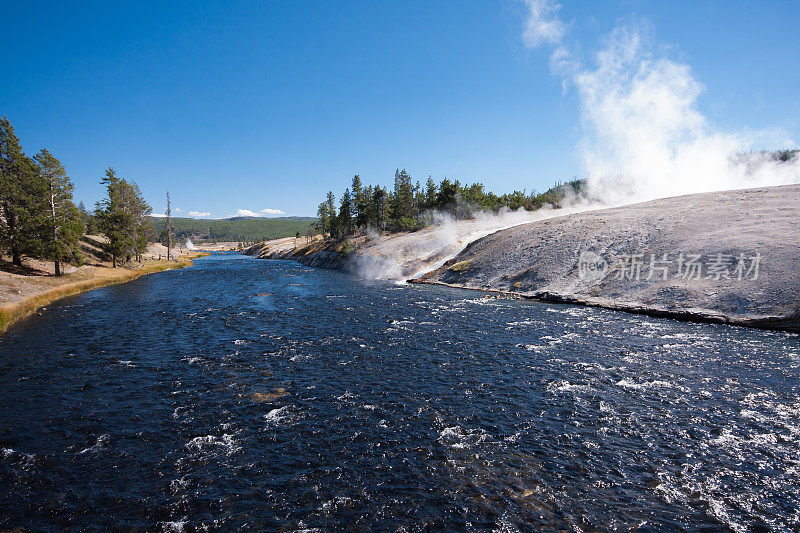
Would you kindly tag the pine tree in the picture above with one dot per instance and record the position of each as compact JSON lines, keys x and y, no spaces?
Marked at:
{"x":111,"y":216}
{"x":346,"y":214}
{"x":394,"y":203}
{"x":22,"y":194}
{"x":324,"y":218}
{"x":380,"y":203}
{"x":430,"y":193}
{"x":138,"y":211}
{"x":360,"y":200}
{"x":448,"y":191}
{"x":122,"y":217}
{"x":402,"y":198}
{"x":366,"y":219}
{"x":333,"y":226}
{"x":64,"y":225}
{"x":88,"y":219}
{"x":418,"y":201}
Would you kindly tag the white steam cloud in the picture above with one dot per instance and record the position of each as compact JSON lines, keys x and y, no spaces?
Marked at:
{"x":645,"y":137}
{"x":411,"y":255}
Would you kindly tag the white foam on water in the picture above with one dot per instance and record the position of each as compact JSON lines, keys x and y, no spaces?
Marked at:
{"x":505,"y":526}
{"x":628,"y":383}
{"x":176,"y":526}
{"x":336,"y":503}
{"x":346,"y":396}
{"x":99,"y":444}
{"x":533,"y":347}
{"x":277,"y":415}
{"x":178,"y":485}
{"x":10,"y":452}
{"x":566,"y":386}
{"x":458,"y":437}
{"x":226,"y":443}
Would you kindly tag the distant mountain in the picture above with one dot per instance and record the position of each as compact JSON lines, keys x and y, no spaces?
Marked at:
{"x":249,"y":217}
{"x":235,"y":229}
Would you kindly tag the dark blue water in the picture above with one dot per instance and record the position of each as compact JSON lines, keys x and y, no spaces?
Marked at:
{"x":263,"y":395}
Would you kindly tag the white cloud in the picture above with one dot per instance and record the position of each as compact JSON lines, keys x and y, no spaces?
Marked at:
{"x":199,"y":213}
{"x":262,"y":213}
{"x":178,"y":210}
{"x":158,"y":215}
{"x":543,"y":25}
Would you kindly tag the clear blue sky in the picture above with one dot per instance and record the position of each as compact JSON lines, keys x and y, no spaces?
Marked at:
{"x":267,"y":105}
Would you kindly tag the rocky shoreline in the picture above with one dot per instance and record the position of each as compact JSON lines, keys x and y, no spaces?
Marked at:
{"x":317,"y":253}
{"x":730,"y":257}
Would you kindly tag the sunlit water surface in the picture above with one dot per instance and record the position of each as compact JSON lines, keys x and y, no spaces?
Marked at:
{"x":247,"y":394}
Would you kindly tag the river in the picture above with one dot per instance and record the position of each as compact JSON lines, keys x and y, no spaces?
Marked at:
{"x":265,"y":395}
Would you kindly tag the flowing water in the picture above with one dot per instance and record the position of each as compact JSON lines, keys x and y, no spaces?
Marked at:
{"x":248,"y":394}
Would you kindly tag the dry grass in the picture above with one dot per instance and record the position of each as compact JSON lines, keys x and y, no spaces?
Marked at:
{"x":461,"y":266}
{"x":68,"y":286}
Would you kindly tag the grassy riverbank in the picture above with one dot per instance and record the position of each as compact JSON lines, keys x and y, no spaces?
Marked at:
{"x":44,"y":290}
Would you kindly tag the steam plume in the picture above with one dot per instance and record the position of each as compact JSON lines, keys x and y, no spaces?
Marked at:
{"x":645,"y":137}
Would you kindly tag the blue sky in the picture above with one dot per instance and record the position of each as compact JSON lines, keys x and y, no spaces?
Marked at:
{"x":267,"y":105}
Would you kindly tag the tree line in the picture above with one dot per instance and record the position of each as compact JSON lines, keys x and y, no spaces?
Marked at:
{"x":238,"y":229}
{"x":409,"y":206}
{"x":39,"y":219}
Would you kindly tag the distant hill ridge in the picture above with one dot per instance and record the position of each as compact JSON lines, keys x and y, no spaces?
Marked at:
{"x":235,"y":229}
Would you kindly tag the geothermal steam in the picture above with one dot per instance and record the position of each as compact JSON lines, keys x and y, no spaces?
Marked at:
{"x":413,"y":254}
{"x":645,"y":138}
